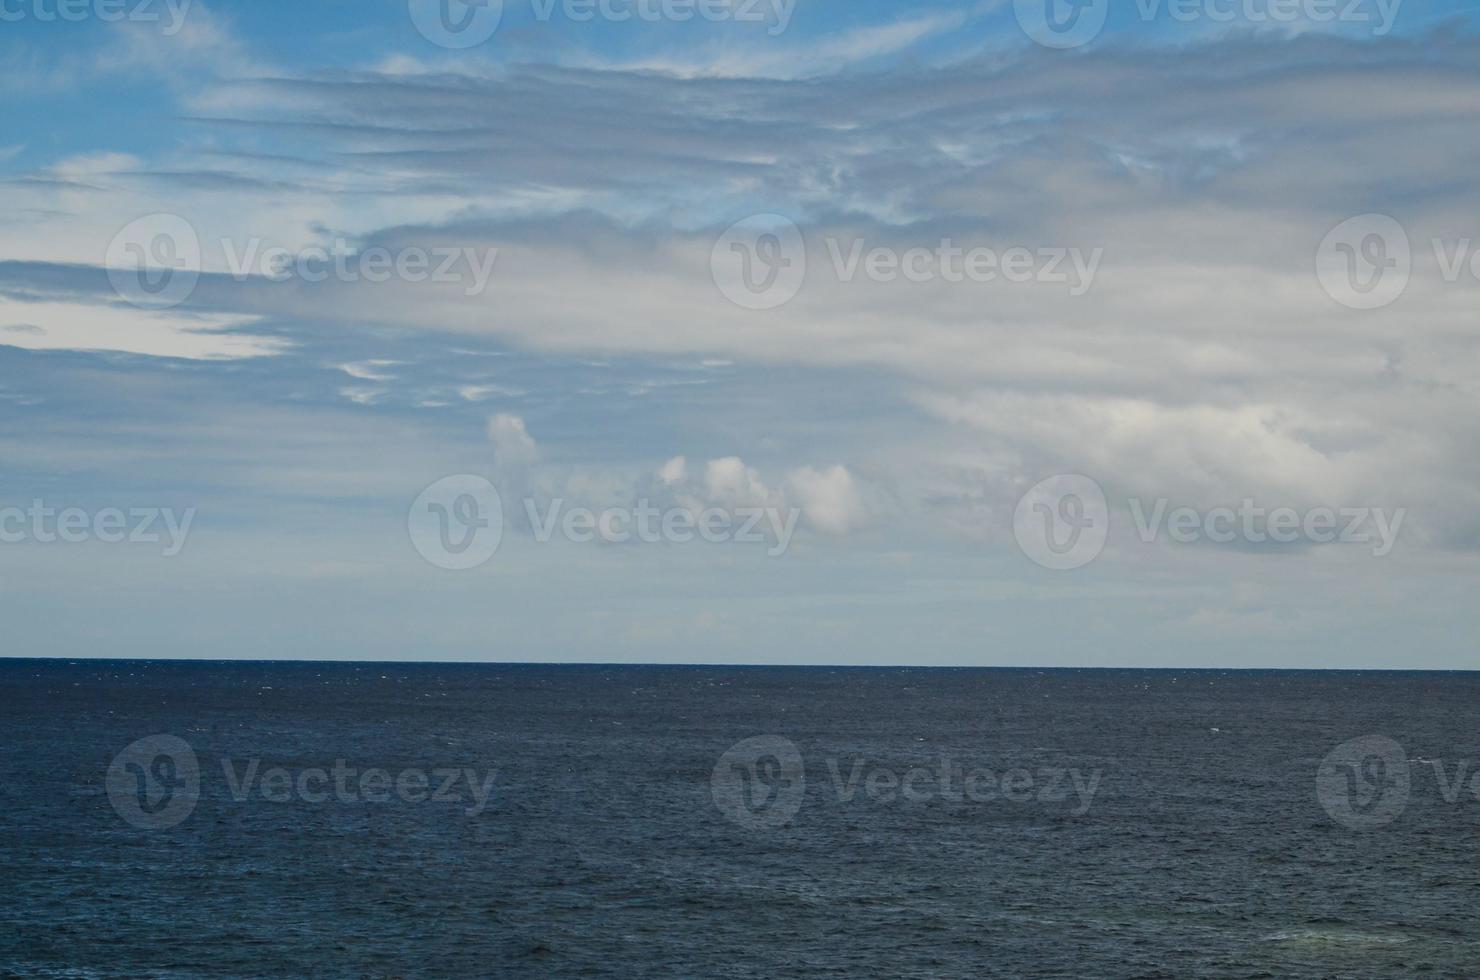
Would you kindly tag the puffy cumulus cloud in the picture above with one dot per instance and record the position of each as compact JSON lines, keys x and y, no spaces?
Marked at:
{"x":513,"y":446}
{"x":830,"y":498}
{"x":730,"y":481}
{"x":1195,"y":451}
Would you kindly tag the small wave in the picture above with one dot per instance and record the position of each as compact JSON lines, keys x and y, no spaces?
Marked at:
{"x":1344,"y":937}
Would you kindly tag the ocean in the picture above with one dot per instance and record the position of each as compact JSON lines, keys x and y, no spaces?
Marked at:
{"x":391,"y":820}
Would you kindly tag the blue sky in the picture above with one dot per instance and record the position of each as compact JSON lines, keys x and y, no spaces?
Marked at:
{"x":597,"y":165}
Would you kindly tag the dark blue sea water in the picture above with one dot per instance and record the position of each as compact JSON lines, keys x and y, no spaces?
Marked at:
{"x":707,"y":822}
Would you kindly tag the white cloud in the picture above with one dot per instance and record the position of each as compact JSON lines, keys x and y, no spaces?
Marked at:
{"x":363,"y":396}
{"x":829,"y":498}
{"x":730,"y":481}
{"x":1204,"y":361}
{"x":75,"y":326}
{"x":512,"y":444}
{"x":369,"y":370}
{"x":478,"y":393}
{"x":768,"y":59}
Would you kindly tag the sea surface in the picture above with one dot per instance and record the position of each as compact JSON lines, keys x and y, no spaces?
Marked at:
{"x":536,"y":821}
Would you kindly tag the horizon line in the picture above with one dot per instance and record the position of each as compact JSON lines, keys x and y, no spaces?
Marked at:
{"x":5,"y":658}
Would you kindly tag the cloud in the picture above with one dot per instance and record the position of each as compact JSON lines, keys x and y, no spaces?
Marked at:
{"x":815,"y":57}
{"x":1203,"y":360}
{"x":676,"y":470}
{"x":512,"y":444}
{"x":480,"y":393}
{"x":369,"y":370}
{"x":830,"y":498}
{"x":363,"y":396}
{"x":77,"y":326}
{"x":731,"y":482}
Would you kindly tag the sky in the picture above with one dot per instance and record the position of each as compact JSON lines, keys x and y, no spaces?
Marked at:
{"x":1015,"y":330}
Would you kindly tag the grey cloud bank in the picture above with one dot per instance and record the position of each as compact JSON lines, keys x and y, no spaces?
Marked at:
{"x":1205,"y":313}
